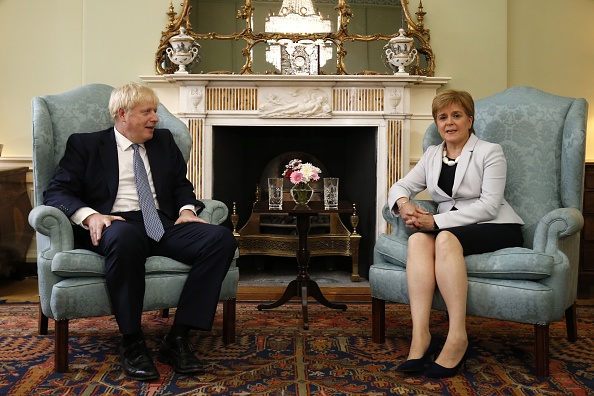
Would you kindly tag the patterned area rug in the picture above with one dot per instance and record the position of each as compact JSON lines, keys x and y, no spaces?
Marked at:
{"x":273,"y":355}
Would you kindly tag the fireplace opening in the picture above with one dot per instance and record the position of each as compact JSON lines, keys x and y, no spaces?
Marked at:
{"x":241,"y":153}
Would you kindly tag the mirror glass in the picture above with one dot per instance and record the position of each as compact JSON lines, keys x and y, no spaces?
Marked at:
{"x":376,"y":17}
{"x":232,"y":37}
{"x":263,"y":8}
{"x":218,"y":16}
{"x":371,"y":17}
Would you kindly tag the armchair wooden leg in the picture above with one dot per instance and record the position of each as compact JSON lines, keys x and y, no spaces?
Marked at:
{"x":541,"y":350}
{"x":571,"y":323}
{"x":378,"y":320}
{"x":42,"y":322}
{"x":229,"y":307}
{"x":61,"y":347}
{"x":165,"y":313}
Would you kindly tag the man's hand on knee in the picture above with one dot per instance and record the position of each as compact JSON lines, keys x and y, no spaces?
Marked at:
{"x":96,"y":222}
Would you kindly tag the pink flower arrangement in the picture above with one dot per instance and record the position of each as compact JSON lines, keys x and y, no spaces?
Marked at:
{"x":301,"y":172}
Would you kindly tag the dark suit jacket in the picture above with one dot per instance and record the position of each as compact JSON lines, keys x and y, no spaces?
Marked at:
{"x":88,"y":174}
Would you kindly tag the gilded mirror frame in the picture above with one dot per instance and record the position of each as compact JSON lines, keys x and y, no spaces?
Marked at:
{"x":415,"y":30}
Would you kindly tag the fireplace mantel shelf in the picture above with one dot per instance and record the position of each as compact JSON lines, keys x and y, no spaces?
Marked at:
{"x":271,"y":80}
{"x":266,"y":79}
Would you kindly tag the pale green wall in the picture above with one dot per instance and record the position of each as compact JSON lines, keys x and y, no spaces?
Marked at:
{"x":53,"y":46}
{"x":485,"y":46}
{"x":554,"y":50}
{"x":469,"y":39}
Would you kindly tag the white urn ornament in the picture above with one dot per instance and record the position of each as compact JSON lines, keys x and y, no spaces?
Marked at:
{"x":183,"y":51}
{"x":399,"y":53}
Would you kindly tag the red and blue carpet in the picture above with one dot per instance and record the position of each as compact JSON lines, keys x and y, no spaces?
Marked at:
{"x":273,"y":355}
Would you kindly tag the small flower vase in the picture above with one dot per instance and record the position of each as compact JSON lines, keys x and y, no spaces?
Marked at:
{"x":301,"y":193}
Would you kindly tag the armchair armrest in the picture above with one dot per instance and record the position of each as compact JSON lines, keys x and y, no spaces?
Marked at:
{"x":398,"y":227}
{"x":215,"y":211}
{"x":555,"y":225}
{"x":53,"y":224}
{"x":557,"y":234}
{"x":54,"y":235}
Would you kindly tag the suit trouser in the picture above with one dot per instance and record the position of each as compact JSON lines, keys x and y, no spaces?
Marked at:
{"x":207,"y":248}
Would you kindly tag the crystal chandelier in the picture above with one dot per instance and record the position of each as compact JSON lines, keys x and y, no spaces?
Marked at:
{"x":297,"y":16}
{"x":304,"y":56}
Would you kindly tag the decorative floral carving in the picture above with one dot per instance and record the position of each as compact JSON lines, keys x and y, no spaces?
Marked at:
{"x":308,"y":103}
{"x":394,"y":99}
{"x":195,"y":96}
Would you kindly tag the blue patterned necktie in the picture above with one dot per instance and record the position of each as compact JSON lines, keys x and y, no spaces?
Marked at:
{"x":152,"y":222}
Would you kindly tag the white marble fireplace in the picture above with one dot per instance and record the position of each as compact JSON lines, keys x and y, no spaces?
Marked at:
{"x":397,"y":107}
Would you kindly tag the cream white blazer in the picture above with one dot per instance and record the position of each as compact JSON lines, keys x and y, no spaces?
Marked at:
{"x":478,"y":188}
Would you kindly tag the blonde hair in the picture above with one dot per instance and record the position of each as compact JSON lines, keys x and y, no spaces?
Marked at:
{"x":449,"y":97}
{"x":129,"y":96}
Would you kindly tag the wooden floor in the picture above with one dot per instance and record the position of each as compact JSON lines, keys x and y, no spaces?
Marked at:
{"x":19,"y":291}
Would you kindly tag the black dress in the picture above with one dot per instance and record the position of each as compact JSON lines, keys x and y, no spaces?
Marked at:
{"x":479,"y":238}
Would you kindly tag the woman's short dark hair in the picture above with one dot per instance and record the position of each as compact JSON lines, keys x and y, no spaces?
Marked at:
{"x":449,"y":97}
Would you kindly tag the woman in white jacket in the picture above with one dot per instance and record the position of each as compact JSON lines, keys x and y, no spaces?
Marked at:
{"x":466,"y":177}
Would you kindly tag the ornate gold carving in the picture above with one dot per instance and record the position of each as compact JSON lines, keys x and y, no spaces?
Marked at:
{"x":286,"y":246}
{"x":234,"y":219}
{"x":415,"y":29}
{"x":354,"y":219}
{"x":337,"y":240}
{"x":355,"y":239}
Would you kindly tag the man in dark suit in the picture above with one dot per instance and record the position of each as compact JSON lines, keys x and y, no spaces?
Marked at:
{"x":109,"y":184}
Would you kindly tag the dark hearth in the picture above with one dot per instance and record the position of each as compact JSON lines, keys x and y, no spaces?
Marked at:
{"x":241,"y":154}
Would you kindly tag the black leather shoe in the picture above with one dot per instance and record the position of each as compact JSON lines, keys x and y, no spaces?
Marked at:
{"x":137,"y":361}
{"x":417,"y":365}
{"x":177,"y":352}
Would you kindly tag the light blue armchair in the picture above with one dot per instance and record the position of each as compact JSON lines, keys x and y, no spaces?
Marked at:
{"x":71,"y":281}
{"x":543,"y":137}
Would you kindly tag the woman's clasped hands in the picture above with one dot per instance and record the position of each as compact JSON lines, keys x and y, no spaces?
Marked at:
{"x":415,"y":217}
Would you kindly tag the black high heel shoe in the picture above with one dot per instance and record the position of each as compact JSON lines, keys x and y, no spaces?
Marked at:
{"x":417,"y":365}
{"x":436,"y":371}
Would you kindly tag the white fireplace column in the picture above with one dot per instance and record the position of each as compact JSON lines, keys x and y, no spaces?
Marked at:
{"x":398,"y":107}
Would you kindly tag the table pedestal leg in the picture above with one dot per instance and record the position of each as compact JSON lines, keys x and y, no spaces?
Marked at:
{"x":303,"y":286}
